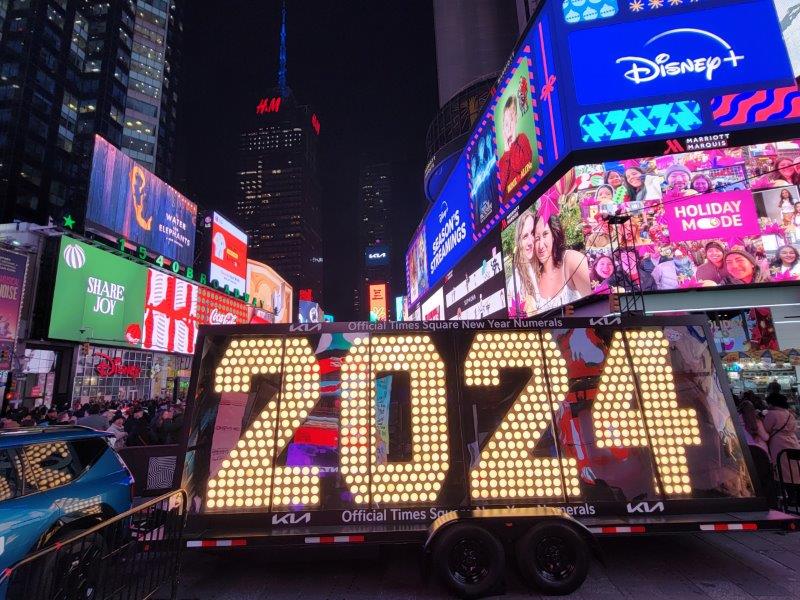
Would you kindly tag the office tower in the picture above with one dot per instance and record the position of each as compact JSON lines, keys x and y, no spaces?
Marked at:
{"x":68,"y":69}
{"x":374,"y":239}
{"x":279,"y":194}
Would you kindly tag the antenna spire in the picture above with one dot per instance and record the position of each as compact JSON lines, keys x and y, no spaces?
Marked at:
{"x":282,"y":56}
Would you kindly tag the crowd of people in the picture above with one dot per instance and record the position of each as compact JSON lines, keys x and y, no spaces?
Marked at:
{"x":770,"y":426}
{"x":138,"y":423}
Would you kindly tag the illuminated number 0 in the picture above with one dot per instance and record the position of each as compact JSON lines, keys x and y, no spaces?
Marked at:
{"x":505,"y":468}
{"x":618,"y":424}
{"x":247,"y":475}
{"x":420,"y":479}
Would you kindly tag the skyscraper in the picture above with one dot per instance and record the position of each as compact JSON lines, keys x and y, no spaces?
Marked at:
{"x":70,"y":69}
{"x":374,"y":232}
{"x":279,"y":193}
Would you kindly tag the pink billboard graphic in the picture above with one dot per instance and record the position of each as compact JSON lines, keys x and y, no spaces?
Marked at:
{"x":170,"y":317}
{"x":12,"y":283}
{"x":705,"y":216}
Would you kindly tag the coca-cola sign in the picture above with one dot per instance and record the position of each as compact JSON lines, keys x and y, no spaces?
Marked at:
{"x":218,"y":317}
{"x":109,"y":367}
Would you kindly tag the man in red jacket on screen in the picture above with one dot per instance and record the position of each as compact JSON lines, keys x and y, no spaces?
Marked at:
{"x":516,"y":162}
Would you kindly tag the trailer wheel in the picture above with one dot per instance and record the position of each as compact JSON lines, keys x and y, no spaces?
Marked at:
{"x":553,"y":558}
{"x":468,"y":559}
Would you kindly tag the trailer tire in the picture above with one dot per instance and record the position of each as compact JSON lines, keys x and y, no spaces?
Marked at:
{"x":553,"y":557}
{"x":468,"y":559}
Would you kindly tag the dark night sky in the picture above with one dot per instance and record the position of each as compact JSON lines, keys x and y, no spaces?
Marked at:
{"x":367,"y":67}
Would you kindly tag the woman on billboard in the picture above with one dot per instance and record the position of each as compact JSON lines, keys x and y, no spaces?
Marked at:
{"x":546,"y":273}
{"x":713,"y":268}
{"x":743,"y":268}
{"x":787,"y":260}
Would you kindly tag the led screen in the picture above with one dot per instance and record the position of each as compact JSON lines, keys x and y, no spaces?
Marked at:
{"x":272,"y":291}
{"x":376,"y":256}
{"x":378,"y":302}
{"x":98,"y":296}
{"x":170,"y":315}
{"x":719,"y":217}
{"x":475,"y":289}
{"x":12,"y":281}
{"x":610,"y":428}
{"x":126,"y":199}
{"x":228,"y":262}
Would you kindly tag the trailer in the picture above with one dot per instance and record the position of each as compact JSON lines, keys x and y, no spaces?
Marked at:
{"x":478,"y":440}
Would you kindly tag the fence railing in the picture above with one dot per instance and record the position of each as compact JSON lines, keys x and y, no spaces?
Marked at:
{"x":788,"y":469}
{"x":129,"y":557}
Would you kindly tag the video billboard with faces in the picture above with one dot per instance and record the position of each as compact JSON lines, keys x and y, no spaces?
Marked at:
{"x":719,"y":217}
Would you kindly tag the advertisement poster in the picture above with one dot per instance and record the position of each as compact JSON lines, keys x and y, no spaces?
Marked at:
{"x":12,"y":286}
{"x":376,"y":256}
{"x":98,"y":296}
{"x":125,"y":199}
{"x":309,"y":312}
{"x":378,"y":303}
{"x":475,"y":288}
{"x":228,"y":265}
{"x":432,"y":309}
{"x":383,"y":398}
{"x":482,"y":177}
{"x":170,"y":317}
{"x":680,"y":53}
{"x":271,"y":290}
{"x":724,"y":216}
{"x":515,"y":133}
{"x":216,"y":308}
{"x":417,"y":266}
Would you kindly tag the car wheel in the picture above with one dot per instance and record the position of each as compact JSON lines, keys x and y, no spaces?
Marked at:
{"x":74,"y":571}
{"x":553,"y":557}
{"x":469,"y":560}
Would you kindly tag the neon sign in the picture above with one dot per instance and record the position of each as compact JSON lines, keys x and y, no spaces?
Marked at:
{"x":268,"y":105}
{"x":109,"y":367}
{"x":315,"y":123}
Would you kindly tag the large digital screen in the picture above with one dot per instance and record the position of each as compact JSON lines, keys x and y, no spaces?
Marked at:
{"x":170,"y":314}
{"x":128,"y":200}
{"x":98,"y":296}
{"x":228,"y":263}
{"x":12,"y":283}
{"x":273,"y":292}
{"x":216,"y":308}
{"x":680,"y":53}
{"x":466,"y":386}
{"x":377,"y":255}
{"x":378,"y":302}
{"x":718,"y":217}
{"x":475,"y":289}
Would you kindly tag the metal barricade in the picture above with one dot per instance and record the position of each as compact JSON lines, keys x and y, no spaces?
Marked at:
{"x":129,"y":557}
{"x":788,"y":470}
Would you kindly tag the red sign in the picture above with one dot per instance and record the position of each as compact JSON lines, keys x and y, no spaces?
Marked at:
{"x":315,"y":123}
{"x":170,"y":315}
{"x":108,"y":367}
{"x":215,"y":308}
{"x":268,"y":105}
{"x":306,"y":294}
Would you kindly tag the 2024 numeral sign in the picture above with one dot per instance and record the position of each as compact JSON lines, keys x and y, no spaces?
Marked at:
{"x":506,"y":469}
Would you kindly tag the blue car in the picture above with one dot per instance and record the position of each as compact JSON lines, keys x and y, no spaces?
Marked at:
{"x":54,"y":483}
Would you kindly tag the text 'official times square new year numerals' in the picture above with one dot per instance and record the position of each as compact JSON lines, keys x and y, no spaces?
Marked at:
{"x":506,"y":468}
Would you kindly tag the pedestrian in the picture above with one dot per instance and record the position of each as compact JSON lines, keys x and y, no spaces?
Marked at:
{"x":137,"y":427}
{"x":117,"y":428}
{"x":781,"y":427}
{"x":94,"y":419}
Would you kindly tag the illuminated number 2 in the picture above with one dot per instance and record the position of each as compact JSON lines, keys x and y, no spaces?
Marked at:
{"x":247,"y":475}
{"x":618,"y":424}
{"x":506,"y":469}
{"x":420,"y":479}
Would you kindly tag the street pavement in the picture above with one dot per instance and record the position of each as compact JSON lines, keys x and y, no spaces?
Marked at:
{"x":719,"y":566}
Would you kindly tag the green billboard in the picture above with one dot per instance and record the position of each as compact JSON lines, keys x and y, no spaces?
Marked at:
{"x":98,"y":296}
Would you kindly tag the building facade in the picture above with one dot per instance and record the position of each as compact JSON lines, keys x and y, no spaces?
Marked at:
{"x":374,"y":232}
{"x":70,"y":70}
{"x":279,"y":192}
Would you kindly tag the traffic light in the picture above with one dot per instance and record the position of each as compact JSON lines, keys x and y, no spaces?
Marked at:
{"x":613,"y":303}
{"x":569,"y":310}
